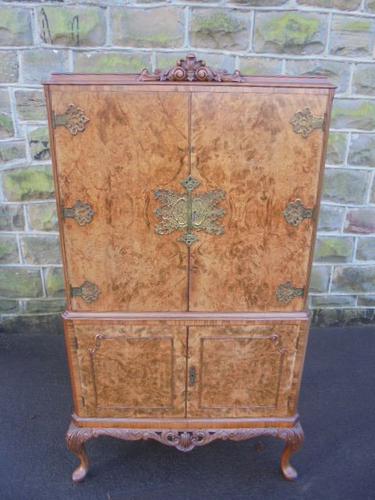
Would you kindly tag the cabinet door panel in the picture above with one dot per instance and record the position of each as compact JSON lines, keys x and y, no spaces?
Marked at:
{"x":243,"y":371}
{"x":128,"y":371}
{"x":133,"y":144}
{"x":244,"y":144}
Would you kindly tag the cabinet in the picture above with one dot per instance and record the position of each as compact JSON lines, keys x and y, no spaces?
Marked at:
{"x":188,"y":201}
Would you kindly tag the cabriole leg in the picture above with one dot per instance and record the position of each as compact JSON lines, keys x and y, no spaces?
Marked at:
{"x":75,"y":440}
{"x":293,"y":441}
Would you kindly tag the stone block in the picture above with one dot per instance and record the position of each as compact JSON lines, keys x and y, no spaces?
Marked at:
{"x":370,"y":6}
{"x":332,"y":300}
{"x":353,"y":113}
{"x":31,"y":105}
{"x":20,"y":282}
{"x":372,"y":192}
{"x":352,"y":36}
{"x":8,"y":66}
{"x":11,"y":218}
{"x":320,"y":279}
{"x":290,"y":32}
{"x":54,"y":281}
{"x":365,"y":249}
{"x":342,"y":317}
{"x":15,"y":26}
{"x":43,"y":217}
{"x":159,"y":27}
{"x":227,"y":29}
{"x":362,"y":150}
{"x":111,"y":62}
{"x":8,"y":306}
{"x":353,"y":279}
{"x":364,"y":79}
{"x":44,"y":306}
{"x":40,"y":324}
{"x":31,"y":183}
{"x":336,"y":148}
{"x":38,"y":64}
{"x":345,"y":186}
{"x":332,"y":4}
{"x":6,"y":121}
{"x":8,"y":249}
{"x":39,"y":144}
{"x":331,"y":218}
{"x":72,"y":25}
{"x":331,"y":249}
{"x":12,"y":151}
{"x":360,"y":221}
{"x":366,"y":300}
{"x":260,"y":3}
{"x":336,"y":72}
{"x":41,"y":250}
{"x":260,"y":66}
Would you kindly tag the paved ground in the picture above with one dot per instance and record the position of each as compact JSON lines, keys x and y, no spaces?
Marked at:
{"x":337,"y":461}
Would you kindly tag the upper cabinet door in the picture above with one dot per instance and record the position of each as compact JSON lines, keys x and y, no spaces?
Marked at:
{"x":261,"y":149}
{"x":115,"y":149}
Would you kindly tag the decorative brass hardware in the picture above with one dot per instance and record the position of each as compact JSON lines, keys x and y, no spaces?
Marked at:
{"x":286,"y":292}
{"x":192,"y":375}
{"x":304,"y":122}
{"x":89,"y":292}
{"x":295,"y":213}
{"x":191,"y":70}
{"x":74,"y":119}
{"x":185,"y":211}
{"x":81,"y":212}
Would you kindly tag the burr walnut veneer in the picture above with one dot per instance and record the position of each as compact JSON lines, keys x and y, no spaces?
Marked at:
{"x":188,"y":203}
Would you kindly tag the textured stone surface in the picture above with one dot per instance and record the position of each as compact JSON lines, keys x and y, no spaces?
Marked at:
{"x":372,"y":192}
{"x":15,"y":26}
{"x":353,"y":113}
{"x":360,"y":220}
{"x":31,"y":105}
{"x":364,"y":79}
{"x":366,"y":249}
{"x":72,"y":26}
{"x":159,"y":27}
{"x":11,"y":218}
{"x":259,"y":3}
{"x":360,"y":279}
{"x":336,"y":72}
{"x":8,"y":306}
{"x":342,"y":317}
{"x":44,"y":306}
{"x":290,"y":32}
{"x":336,"y":147}
{"x":39,"y":144}
{"x":8,"y":249}
{"x":6,"y":121}
{"x":38,"y":64}
{"x":41,"y":249}
{"x":370,"y":6}
{"x":220,"y":29}
{"x":8,"y":67}
{"x":41,"y":324}
{"x":332,"y":300}
{"x":333,"y":249}
{"x":111,"y":62}
{"x":362,"y":150}
{"x":366,"y":300}
{"x":32,"y":183}
{"x":20,"y":282}
{"x":54,"y":281}
{"x":260,"y":66}
{"x":352,"y":36}
{"x":43,"y":217}
{"x":320,"y":279}
{"x":345,"y":186}
{"x":335,"y":4}
{"x":12,"y":150}
{"x":331,"y":218}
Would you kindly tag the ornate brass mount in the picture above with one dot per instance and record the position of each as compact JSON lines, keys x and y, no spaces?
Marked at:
{"x":187,"y":212}
{"x":304,"y":122}
{"x":286,"y":292}
{"x":74,"y":119}
{"x":81,"y":212}
{"x":295,"y":213}
{"x":88,"y":292}
{"x":191,"y":70}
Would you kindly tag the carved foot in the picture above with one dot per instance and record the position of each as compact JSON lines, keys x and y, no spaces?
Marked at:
{"x":75,"y":440}
{"x":294,"y":439}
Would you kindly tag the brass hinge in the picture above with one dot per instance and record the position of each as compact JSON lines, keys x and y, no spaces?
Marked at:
{"x":74,"y":119}
{"x":286,"y":292}
{"x":88,"y":291}
{"x":295,"y":213}
{"x":304,"y":122}
{"x":81,"y":212}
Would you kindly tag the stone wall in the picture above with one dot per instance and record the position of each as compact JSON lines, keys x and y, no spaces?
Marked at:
{"x":296,"y":37}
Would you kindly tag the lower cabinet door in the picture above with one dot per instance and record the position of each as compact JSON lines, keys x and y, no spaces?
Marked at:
{"x":127,"y":371}
{"x":244,"y":371}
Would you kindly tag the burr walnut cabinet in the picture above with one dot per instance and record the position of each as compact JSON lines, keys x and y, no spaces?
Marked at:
{"x":188,"y":202}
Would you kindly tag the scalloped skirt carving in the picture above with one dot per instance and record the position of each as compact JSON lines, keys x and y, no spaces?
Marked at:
{"x":184,"y":441}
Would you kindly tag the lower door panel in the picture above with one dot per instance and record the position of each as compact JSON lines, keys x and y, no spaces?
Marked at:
{"x":244,"y":371}
{"x":121,"y":370}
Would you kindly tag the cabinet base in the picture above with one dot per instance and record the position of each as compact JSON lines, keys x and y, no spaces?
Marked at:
{"x":183,"y":440}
